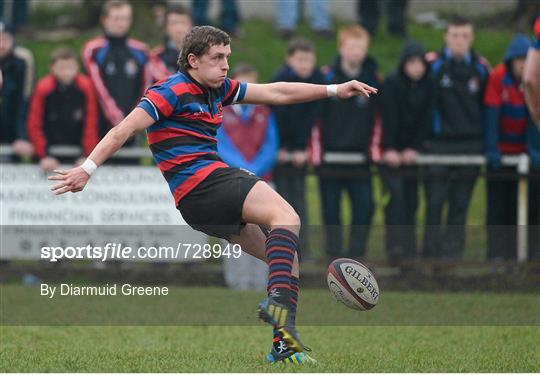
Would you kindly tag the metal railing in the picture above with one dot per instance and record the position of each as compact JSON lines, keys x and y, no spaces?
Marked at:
{"x":520,"y":162}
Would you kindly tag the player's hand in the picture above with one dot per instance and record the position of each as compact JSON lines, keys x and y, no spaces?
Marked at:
{"x":72,"y":180}
{"x":409,"y":156}
{"x":392,"y":158}
{"x":354,"y":88}
{"x":48,"y":163}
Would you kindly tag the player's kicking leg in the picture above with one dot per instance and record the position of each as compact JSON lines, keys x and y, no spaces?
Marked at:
{"x":263,"y":206}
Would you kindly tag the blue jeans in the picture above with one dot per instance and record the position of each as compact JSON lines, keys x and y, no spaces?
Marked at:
{"x":288,"y":13}
{"x":229,"y":14}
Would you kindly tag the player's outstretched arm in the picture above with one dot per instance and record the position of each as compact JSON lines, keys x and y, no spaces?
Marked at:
{"x":280,"y":93}
{"x":74,"y":180}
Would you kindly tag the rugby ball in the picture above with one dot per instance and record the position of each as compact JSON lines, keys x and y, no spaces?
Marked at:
{"x":352,"y":284}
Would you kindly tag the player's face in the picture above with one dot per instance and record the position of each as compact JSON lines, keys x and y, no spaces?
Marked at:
{"x":65,"y":70}
{"x":178,"y":25}
{"x":353,"y":50}
{"x":118,"y":21}
{"x":459,"y":39}
{"x":211,"y":68}
{"x":302,"y":62}
{"x":6,"y":44}
{"x":518,"y":66}
{"x":414,"y":68}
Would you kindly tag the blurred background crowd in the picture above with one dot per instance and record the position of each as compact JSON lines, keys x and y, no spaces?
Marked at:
{"x":443,"y":98}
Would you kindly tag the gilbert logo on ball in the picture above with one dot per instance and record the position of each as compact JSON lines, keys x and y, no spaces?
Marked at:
{"x":353,"y":284}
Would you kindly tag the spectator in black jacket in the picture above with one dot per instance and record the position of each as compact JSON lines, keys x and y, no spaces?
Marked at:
{"x":295,"y":123}
{"x":348,"y":126}
{"x":17,"y":69}
{"x":460,"y":78}
{"x":407,"y":112}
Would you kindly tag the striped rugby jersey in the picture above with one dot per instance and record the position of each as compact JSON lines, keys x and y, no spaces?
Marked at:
{"x":183,"y":138}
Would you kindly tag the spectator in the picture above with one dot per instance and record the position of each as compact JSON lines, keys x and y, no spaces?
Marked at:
{"x":508,"y":131}
{"x":116,"y":64}
{"x":248,"y":138}
{"x":348,"y":126}
{"x":63,"y":110}
{"x":295,"y":123}
{"x":407,"y":111}
{"x":288,"y":12}
{"x":15,"y":13}
{"x":17,"y":68}
{"x":369,"y":15}
{"x":229,"y":16}
{"x":460,"y":77}
{"x":163,"y":59}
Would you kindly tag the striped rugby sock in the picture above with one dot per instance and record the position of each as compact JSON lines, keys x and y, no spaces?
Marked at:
{"x":281,"y":246}
{"x":293,"y":302}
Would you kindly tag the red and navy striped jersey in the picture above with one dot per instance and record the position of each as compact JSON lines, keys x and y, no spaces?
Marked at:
{"x":506,"y":95}
{"x":183,"y":138}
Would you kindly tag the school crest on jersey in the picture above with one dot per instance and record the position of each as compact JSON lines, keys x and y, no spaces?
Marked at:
{"x":474,"y":85}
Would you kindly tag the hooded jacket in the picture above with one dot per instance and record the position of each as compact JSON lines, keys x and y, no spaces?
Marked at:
{"x":508,"y":126}
{"x":347,"y":124}
{"x":407,"y":105}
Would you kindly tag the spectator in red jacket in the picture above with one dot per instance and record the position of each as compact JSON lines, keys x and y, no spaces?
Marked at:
{"x":117,"y":64}
{"x":63,"y":109}
{"x":163,"y":58}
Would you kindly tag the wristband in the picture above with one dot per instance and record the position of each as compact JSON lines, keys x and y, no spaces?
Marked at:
{"x":89,"y":166}
{"x":331,"y":90}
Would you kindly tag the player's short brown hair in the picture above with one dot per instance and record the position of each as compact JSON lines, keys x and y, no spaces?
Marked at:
{"x":62,"y":53}
{"x":300,"y":44}
{"x":110,"y":4}
{"x":198,"y":41}
{"x":351,"y":32}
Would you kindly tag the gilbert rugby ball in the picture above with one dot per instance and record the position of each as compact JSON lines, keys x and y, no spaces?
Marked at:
{"x":353,"y":284}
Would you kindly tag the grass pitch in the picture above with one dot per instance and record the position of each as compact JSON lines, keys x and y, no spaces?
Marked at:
{"x":374,"y":345}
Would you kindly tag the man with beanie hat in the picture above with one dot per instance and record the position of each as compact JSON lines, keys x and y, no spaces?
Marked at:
{"x":407,"y":111}
{"x":509,"y":130}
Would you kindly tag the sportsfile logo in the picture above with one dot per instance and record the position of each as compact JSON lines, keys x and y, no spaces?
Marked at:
{"x":363,"y":280}
{"x":119,"y":251}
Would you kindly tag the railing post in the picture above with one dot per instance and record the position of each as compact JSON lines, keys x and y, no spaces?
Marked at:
{"x":522,"y":207}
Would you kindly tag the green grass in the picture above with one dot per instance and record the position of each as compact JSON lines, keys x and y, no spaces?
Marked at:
{"x":406,"y":332}
{"x":242,"y":349}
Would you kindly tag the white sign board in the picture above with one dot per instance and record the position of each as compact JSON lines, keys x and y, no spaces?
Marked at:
{"x":131,"y":204}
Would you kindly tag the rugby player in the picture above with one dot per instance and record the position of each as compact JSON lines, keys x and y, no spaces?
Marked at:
{"x":531,"y":75}
{"x":181,"y":115}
